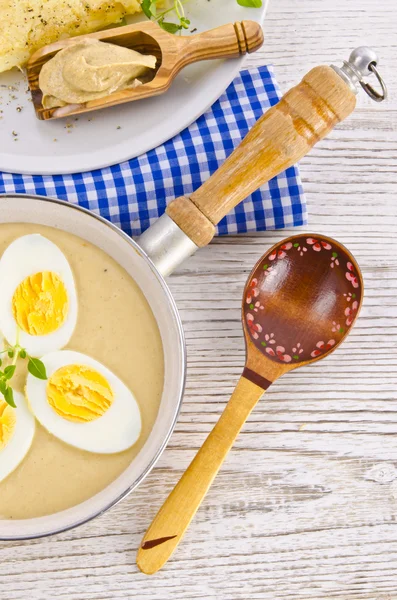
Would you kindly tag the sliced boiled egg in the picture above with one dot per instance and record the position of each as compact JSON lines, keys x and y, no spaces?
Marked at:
{"x":84,"y":404}
{"x":38,"y":301}
{"x":17,"y":427}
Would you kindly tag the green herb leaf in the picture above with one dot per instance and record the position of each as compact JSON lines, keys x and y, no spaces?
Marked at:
{"x":147,"y":8}
{"x":170,"y":27}
{"x":153,"y":8}
{"x":9,"y":397}
{"x":3,"y":386}
{"x":37,"y":368}
{"x":250,"y":3}
{"x":10,"y":353}
{"x":9,"y":371}
{"x":22,"y":353}
{"x":1,"y":362}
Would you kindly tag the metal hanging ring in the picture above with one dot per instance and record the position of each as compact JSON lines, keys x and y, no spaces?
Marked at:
{"x":372,"y":93}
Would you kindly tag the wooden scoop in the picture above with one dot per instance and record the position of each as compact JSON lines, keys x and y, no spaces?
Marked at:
{"x":300,"y":302}
{"x":173,"y":54}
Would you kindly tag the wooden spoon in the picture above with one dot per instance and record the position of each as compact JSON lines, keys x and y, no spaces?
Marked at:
{"x":300,"y":302}
{"x":173,"y":54}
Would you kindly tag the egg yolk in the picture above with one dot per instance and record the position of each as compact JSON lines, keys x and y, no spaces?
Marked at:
{"x":79,"y":393}
{"x":8,"y":420}
{"x":40,"y":303}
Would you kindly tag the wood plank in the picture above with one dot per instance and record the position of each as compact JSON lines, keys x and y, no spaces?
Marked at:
{"x":306,"y":504}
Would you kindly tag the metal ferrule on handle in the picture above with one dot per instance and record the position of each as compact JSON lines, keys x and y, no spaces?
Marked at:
{"x":166,"y":245}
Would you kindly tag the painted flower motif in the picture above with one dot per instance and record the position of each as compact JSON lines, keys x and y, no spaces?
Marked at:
{"x":280,"y":353}
{"x":255,"y":328}
{"x":300,"y":248}
{"x":336,"y":327}
{"x":318,"y":244}
{"x":269,"y":338}
{"x":258,"y":306}
{"x":350,"y":276}
{"x":334,"y":260}
{"x":267,"y":269}
{"x":350,"y":296}
{"x":281,"y":252}
{"x":297,"y":350}
{"x":322,"y":347}
{"x":253,"y":291}
{"x":350,"y":312}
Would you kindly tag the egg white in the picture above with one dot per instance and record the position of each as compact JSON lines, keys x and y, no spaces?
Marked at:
{"x":26,"y":256}
{"x":116,"y":430}
{"x":21,"y":439}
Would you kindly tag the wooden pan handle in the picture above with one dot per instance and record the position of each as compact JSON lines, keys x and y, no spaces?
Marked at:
{"x":226,"y":41}
{"x":174,"y":517}
{"x":280,"y":138}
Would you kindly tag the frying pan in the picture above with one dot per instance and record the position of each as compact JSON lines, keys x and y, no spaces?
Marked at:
{"x":282,"y":136}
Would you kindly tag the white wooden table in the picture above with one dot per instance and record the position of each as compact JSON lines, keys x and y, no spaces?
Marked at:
{"x":306,"y":504}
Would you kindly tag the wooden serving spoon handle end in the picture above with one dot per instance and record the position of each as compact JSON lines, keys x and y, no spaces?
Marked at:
{"x":150,"y":563}
{"x":174,"y":517}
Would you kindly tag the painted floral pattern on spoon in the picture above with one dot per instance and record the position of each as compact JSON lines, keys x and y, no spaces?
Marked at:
{"x":293,"y":337}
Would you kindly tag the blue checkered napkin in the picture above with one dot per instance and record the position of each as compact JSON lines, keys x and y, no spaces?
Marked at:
{"x":135,"y":193}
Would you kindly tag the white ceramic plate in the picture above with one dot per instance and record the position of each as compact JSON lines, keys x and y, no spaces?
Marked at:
{"x":115,"y":134}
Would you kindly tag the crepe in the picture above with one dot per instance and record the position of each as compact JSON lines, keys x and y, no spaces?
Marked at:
{"x":27,"y":25}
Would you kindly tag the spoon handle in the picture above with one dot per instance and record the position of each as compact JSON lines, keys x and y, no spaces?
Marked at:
{"x":174,"y":517}
{"x":227,"y":41}
{"x":280,"y":138}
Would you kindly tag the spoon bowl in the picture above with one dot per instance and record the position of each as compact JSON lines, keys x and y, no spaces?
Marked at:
{"x":299,"y":303}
